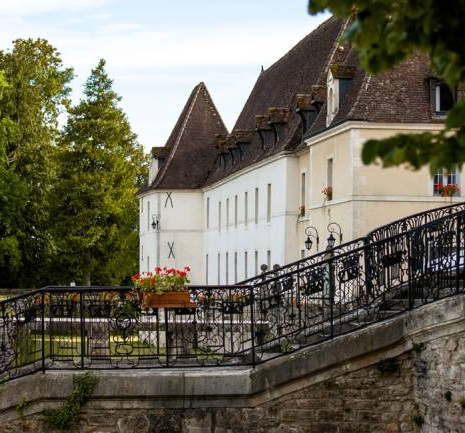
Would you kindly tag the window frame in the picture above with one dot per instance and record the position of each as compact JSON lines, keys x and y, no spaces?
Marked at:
{"x":447,"y":178}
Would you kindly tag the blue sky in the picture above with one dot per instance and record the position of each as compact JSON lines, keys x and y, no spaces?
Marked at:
{"x":157,"y":51}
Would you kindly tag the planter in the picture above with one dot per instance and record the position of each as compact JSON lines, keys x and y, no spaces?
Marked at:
{"x":167,"y":300}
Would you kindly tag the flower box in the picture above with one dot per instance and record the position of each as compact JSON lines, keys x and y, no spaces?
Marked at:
{"x":179,"y":299}
{"x":328,"y":192}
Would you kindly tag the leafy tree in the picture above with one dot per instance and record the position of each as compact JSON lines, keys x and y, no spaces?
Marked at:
{"x":386,"y":32}
{"x":12,"y":196}
{"x":101,"y":167}
{"x":34,"y":92}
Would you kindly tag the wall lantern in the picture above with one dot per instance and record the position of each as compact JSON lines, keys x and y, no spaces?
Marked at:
{"x":334,"y":228}
{"x":155,"y":223}
{"x":310,"y":236}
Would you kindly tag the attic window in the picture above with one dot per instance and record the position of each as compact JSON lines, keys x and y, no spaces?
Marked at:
{"x":332,"y":98}
{"x":444,"y":99}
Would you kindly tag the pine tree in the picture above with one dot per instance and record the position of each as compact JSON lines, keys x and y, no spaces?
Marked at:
{"x":101,"y":167}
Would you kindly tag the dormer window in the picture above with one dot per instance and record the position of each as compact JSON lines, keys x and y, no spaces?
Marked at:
{"x":444,"y":99}
{"x":338,"y":83}
{"x":332,"y":98}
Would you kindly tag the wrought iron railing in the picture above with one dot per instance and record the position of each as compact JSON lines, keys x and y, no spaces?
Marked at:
{"x":418,"y":260}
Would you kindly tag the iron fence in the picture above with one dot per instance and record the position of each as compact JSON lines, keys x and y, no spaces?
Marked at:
{"x":418,"y":260}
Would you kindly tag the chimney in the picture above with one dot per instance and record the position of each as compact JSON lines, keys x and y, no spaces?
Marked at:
{"x":278,"y":118}
{"x":306,"y":111}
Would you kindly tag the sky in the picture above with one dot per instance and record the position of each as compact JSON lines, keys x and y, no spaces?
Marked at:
{"x":157,"y":51}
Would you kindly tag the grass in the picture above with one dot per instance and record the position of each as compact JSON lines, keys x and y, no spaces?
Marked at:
{"x":68,"y":348}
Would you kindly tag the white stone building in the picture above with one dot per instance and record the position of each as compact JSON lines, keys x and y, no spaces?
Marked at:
{"x":226,"y":203}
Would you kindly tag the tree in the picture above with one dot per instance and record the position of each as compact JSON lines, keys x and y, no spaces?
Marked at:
{"x":34,"y":92}
{"x":12,"y":196}
{"x":101,"y":167}
{"x":386,"y":32}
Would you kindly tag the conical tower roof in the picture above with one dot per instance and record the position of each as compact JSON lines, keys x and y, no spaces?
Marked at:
{"x":189,"y":153}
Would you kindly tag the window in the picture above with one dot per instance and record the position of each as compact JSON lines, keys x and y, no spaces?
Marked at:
{"x":219,"y":268}
{"x":246,"y":265}
{"x":148,"y":216}
{"x":235,"y":267}
{"x":206,"y":269}
{"x":329,"y":190}
{"x":235,"y":211}
{"x":246,"y":208}
{"x":446,"y":183}
{"x":227,"y":213}
{"x":332,"y":105}
{"x":226,"y":265}
{"x":302,"y":192}
{"x":256,"y":262}
{"x":208,"y":212}
{"x":219,"y":216}
{"x":268,"y":259}
{"x":302,"y":254}
{"x":268,"y":203}
{"x":256,"y":205}
{"x":329,"y":173}
{"x":443,"y":98}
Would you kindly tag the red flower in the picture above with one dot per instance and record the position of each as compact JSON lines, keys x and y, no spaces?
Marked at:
{"x":157,"y":270}
{"x":182,"y":274}
{"x":151,"y":282}
{"x":135,"y":276}
{"x":187,"y":269}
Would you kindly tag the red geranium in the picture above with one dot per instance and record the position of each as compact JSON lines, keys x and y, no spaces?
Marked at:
{"x":163,"y":280}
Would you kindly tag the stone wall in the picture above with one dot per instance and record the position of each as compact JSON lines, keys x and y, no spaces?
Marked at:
{"x":405,"y":375}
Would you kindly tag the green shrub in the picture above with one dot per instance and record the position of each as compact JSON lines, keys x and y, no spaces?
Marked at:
{"x":62,"y":418}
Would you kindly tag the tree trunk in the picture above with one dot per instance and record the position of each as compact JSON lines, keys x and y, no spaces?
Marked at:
{"x":87,"y":279}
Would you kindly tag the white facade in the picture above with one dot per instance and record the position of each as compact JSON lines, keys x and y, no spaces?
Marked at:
{"x":223,"y":239}
{"x":177,"y":240}
{"x":252,"y":219}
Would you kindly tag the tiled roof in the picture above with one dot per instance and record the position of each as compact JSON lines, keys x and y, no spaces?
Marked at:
{"x":301,"y":68}
{"x":189,"y":153}
{"x":201,"y":152}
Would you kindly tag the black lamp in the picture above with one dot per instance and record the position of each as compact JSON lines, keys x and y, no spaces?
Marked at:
{"x":309,"y":242}
{"x":331,"y":240}
{"x":154,"y":222}
{"x":334,"y":228}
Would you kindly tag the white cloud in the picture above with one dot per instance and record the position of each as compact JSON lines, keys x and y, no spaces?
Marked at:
{"x":35,"y":7}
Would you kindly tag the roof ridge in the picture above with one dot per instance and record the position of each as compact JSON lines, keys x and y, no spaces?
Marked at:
{"x":212,"y":104}
{"x":180,"y":134}
{"x":333,"y":51}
